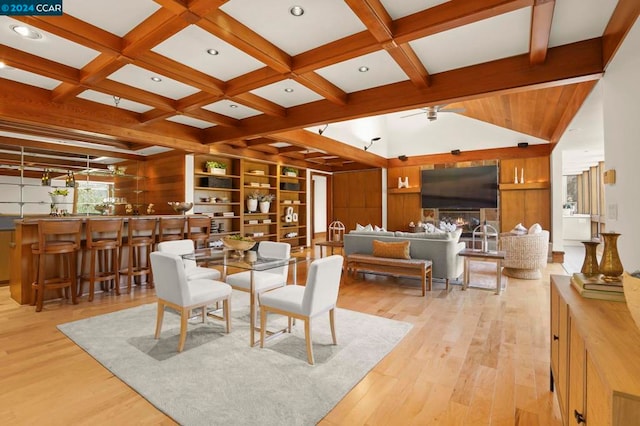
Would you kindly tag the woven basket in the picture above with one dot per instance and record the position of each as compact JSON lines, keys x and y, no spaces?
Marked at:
{"x":241,"y":245}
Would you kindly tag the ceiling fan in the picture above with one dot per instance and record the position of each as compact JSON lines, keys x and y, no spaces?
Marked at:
{"x":432,"y":111}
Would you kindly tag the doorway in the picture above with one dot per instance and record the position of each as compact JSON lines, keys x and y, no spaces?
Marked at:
{"x":321,"y":205}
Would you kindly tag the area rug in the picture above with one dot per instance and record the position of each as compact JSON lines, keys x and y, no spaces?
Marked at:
{"x":219,"y":380}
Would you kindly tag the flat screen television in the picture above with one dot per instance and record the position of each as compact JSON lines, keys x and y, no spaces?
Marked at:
{"x":460,"y":188}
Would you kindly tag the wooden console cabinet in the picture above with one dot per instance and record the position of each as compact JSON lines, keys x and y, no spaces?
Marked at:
{"x":595,"y":358}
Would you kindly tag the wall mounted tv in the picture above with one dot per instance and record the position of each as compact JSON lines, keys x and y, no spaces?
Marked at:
{"x":460,"y":188}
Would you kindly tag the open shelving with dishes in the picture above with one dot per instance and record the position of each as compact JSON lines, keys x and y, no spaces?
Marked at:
{"x":260,"y":185}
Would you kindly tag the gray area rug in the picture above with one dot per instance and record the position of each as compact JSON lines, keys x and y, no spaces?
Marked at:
{"x":219,"y":380}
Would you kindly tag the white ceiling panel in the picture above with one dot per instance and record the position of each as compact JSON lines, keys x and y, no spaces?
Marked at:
{"x":49,"y":46}
{"x":277,"y":93}
{"x":190,"y":45}
{"x":323,"y":21}
{"x":482,"y":41}
{"x":189,"y":121}
{"x":140,"y":78}
{"x":116,"y":16}
{"x":398,"y":9}
{"x":92,"y":95}
{"x":382,"y":70}
{"x":594,"y":16}
{"x":232,"y":109}
{"x":29,"y":78}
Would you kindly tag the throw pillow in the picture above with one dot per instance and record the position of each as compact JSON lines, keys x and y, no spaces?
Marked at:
{"x":376,"y":228}
{"x":535,"y":229}
{"x":519,"y":229}
{"x":448,"y":227}
{"x":394,"y":250}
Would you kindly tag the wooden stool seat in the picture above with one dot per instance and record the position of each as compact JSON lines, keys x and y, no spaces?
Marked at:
{"x":141,"y":238}
{"x":59,"y":239}
{"x":103,"y":241}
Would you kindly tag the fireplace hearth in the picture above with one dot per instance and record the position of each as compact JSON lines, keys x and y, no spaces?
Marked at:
{"x":467,"y":220}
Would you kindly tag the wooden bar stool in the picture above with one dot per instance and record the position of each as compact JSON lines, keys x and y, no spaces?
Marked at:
{"x":104,"y":242}
{"x":141,"y":237}
{"x":60,"y":240}
{"x":171,"y":228}
{"x":199,"y":230}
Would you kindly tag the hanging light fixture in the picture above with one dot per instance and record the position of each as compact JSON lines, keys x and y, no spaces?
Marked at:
{"x":366,"y":148}
{"x":116,"y":100}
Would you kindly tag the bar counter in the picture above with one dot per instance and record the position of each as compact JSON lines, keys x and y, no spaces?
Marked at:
{"x":21,"y":260}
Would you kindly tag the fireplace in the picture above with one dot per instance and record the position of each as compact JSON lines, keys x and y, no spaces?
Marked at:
{"x":467,"y":220}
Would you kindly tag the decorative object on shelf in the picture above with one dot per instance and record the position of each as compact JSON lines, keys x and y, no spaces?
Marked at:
{"x":181,"y":206}
{"x":256,"y":172}
{"x":265,"y":202}
{"x":336,"y":231}
{"x":294,"y":217}
{"x":205,"y":199}
{"x":45,"y":179}
{"x":403,"y":183}
{"x":522,"y":175}
{"x":288,"y":217}
{"x":216,"y":167}
{"x":515,"y":176}
{"x":58,"y":195}
{"x":590,"y":265}
{"x":631,"y":284}
{"x":290,"y":172}
{"x":103,"y":209}
{"x":128,"y":209}
{"x":150,"y":209}
{"x":252,"y":201}
{"x":610,"y":265}
{"x":291,"y":235}
{"x":238,"y":243}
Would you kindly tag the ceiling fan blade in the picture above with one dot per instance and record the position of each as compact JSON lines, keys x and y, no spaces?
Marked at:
{"x":411,"y":115}
{"x":453,"y":110}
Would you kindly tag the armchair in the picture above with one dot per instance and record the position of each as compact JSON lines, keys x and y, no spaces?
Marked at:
{"x":525,"y":255}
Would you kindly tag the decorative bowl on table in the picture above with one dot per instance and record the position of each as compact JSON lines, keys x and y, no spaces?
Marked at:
{"x":238,"y":243}
{"x":181,"y":206}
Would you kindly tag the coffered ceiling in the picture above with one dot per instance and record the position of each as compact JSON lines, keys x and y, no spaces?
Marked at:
{"x":126,"y":79}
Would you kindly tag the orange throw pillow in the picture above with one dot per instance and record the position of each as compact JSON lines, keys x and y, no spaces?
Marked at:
{"x":399,"y":250}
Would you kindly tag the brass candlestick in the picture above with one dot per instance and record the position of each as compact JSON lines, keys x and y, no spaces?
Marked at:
{"x":610,"y":265}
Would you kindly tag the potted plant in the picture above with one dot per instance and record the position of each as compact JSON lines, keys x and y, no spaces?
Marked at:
{"x":265,"y":202}
{"x":290,"y":171}
{"x":252,"y":201}
{"x":216,"y":167}
{"x":58,"y":194}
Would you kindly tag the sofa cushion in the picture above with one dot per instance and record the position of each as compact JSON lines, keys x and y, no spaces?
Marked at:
{"x":535,"y":229}
{"x":374,"y":233}
{"x":364,"y":228}
{"x":394,"y":250}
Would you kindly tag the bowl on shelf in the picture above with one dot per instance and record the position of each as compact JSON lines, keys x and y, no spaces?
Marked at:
{"x":181,"y":206}
{"x":239,"y":244}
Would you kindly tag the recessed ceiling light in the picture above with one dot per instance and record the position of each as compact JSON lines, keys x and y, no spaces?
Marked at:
{"x":296,"y":11}
{"x":233,"y":106}
{"x":363,"y":69}
{"x":4,"y":66}
{"x":288,"y":90}
{"x":212,"y":52}
{"x":156,"y":79}
{"x":26,"y":32}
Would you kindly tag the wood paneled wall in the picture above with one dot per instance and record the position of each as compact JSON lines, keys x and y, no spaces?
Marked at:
{"x":357,"y":198}
{"x":164,"y":182}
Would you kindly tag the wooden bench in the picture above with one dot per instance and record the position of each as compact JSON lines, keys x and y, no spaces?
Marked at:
{"x":419,"y":268}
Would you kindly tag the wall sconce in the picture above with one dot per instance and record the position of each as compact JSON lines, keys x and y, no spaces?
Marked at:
{"x":322,"y":129}
{"x":366,"y":148}
{"x":609,"y":177}
{"x":403,"y":157}
{"x":455,"y":152}
{"x":523,"y":144}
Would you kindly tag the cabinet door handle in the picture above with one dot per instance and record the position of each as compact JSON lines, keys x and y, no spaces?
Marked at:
{"x":579,"y":417}
{"x":555,"y":337}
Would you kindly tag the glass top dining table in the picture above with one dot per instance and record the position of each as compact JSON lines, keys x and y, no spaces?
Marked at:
{"x":251,"y":262}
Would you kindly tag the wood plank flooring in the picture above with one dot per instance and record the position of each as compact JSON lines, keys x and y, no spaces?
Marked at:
{"x":472,"y":358}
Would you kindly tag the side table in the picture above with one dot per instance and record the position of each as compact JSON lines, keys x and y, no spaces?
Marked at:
{"x":470,"y":254}
{"x":331,"y":244}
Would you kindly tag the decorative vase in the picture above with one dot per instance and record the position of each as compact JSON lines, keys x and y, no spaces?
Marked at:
{"x":58,"y":199}
{"x":215,"y":171}
{"x":590,"y":264}
{"x":264,"y":206}
{"x":252,"y":205}
{"x":610,"y":265}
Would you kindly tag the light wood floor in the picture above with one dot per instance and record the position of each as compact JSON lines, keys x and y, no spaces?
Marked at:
{"x":472,"y":358}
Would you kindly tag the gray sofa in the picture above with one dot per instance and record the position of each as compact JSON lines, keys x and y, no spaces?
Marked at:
{"x":441,"y":249}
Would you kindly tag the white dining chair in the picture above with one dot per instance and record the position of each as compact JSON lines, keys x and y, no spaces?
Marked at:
{"x":319,"y":295}
{"x":264,"y":280}
{"x":175,"y":291}
{"x":183,"y":247}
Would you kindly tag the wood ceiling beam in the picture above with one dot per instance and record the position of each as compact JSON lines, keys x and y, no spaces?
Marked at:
{"x":261,"y":104}
{"x":291,"y":148}
{"x":407,"y":59}
{"x":624,"y":17}
{"x":567,"y":64}
{"x":197,"y":100}
{"x":253,"y":80}
{"x":94,"y":72}
{"x":315,"y":141}
{"x":540,"y":30}
{"x":68,"y":148}
{"x":312,"y":155}
{"x":450,"y":15}
{"x":155,"y":115}
{"x":238,"y":35}
{"x":158,"y":27}
{"x":323,"y":87}
{"x":258,"y":141}
{"x":211,"y":117}
{"x":25,"y":61}
{"x":114,"y":88}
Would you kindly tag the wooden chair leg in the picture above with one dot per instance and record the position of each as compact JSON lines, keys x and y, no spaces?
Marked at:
{"x":92,"y":275}
{"x":159,"y":318}
{"x":227,"y":312}
{"x":333,"y":325}
{"x":73,"y":272}
{"x":263,"y":325}
{"x":307,"y":338}
{"x":41,"y":279}
{"x":184,"y":316}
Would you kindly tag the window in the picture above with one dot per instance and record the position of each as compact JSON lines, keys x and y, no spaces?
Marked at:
{"x":91,"y":194}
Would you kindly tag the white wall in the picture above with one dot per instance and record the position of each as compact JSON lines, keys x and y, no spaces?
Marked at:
{"x":320,"y":204}
{"x":622,"y":146}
